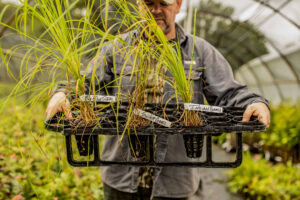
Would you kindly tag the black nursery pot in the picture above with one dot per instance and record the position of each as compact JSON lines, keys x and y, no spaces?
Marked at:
{"x":193,"y":145}
{"x":139,"y":144}
{"x":85,"y":144}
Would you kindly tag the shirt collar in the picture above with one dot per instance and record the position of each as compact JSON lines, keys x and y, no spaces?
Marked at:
{"x":181,"y":35}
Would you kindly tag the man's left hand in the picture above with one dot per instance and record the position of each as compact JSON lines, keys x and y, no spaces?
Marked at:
{"x":259,"y":110}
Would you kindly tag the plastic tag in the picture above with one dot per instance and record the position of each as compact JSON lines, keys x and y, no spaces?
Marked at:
{"x":99,"y":98}
{"x":152,"y":118}
{"x":202,"y":108}
{"x":188,"y":62}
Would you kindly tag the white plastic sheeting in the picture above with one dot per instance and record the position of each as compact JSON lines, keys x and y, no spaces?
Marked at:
{"x":276,"y":75}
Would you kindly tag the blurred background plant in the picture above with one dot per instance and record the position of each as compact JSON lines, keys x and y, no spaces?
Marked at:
{"x":33,"y":162}
{"x":280,"y":142}
{"x":270,"y":168}
{"x":257,"y":178}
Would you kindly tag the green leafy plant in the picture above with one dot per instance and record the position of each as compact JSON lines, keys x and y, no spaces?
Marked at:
{"x":284,"y":130}
{"x":259,"y":179}
{"x":33,"y":160}
{"x":282,"y":138}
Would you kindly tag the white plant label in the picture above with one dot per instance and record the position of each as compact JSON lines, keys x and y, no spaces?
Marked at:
{"x":152,"y":118}
{"x":98,"y":98}
{"x":202,"y":108}
{"x":188,"y":62}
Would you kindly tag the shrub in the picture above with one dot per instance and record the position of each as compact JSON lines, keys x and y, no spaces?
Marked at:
{"x":259,"y":179}
{"x":33,"y":162}
{"x":284,"y":131}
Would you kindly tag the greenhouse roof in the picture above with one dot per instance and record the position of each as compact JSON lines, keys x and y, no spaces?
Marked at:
{"x":278,"y":19}
{"x":274,"y":71}
{"x":277,"y":74}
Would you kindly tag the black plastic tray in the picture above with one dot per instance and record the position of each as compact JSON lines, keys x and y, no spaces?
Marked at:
{"x":214,"y":124}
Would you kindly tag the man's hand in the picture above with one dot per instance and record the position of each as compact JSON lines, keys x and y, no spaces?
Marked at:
{"x":58,"y":103}
{"x":259,"y":110}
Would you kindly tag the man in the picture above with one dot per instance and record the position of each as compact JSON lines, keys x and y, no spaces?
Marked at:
{"x":215,"y":82}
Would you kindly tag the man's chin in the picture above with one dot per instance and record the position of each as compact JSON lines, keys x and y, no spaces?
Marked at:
{"x":161,"y":25}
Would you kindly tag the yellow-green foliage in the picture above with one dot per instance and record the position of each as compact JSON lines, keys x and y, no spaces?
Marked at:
{"x":284,"y":131}
{"x":33,"y":162}
{"x":259,"y":179}
{"x":5,"y":89}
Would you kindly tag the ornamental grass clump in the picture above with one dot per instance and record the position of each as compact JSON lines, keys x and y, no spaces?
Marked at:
{"x":151,"y":46}
{"x":149,"y":80}
{"x":170,"y":56}
{"x":138,"y":53}
{"x":66,"y":44}
{"x":61,"y":51}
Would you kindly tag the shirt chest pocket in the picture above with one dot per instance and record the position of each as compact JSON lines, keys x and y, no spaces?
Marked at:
{"x":193,"y":69}
{"x":124,"y":70}
{"x":124,"y":77}
{"x":194,"y":72}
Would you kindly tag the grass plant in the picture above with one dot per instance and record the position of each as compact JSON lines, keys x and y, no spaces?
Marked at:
{"x":169,"y":54}
{"x":62,"y":49}
{"x":63,"y":46}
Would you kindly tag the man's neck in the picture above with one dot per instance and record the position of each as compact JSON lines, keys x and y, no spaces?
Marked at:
{"x":172,"y":34}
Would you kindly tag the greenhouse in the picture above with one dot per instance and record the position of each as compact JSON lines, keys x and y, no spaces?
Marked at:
{"x":125,"y":87}
{"x":278,"y":21}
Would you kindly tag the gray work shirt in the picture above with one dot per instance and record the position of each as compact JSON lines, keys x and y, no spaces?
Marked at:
{"x":213,"y":80}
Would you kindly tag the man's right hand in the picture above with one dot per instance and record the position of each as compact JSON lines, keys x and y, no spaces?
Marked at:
{"x":58,"y":103}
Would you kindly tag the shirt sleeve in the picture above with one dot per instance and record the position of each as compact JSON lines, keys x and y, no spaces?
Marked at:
{"x":220,"y":88}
